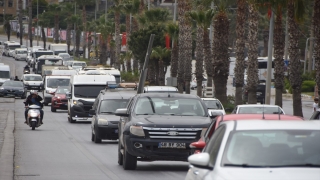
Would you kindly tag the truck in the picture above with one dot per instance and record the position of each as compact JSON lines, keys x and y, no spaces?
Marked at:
{"x":84,"y":90}
{"x":58,"y":48}
{"x":108,"y":70}
{"x":47,"y":60}
{"x":49,"y":66}
{"x":37,"y":53}
{"x":4,"y":73}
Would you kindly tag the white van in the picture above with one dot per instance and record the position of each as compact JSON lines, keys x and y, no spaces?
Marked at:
{"x":50,"y":84}
{"x":78,"y":65}
{"x":58,"y":48}
{"x":4,"y":73}
{"x":9,"y":47}
{"x":84,"y":90}
{"x":20,"y":54}
{"x":107,"y":70}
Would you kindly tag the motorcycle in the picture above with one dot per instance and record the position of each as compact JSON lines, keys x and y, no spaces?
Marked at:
{"x":26,"y":71}
{"x":33,"y":118}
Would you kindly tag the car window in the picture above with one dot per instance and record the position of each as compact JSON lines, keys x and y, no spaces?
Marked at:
{"x":280,"y":148}
{"x":210,"y":130}
{"x":214,"y":144}
{"x":109,"y":106}
{"x":213,"y":104}
{"x":260,"y":110}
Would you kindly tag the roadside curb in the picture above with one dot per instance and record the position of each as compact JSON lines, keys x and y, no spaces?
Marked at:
{"x":7,"y":152}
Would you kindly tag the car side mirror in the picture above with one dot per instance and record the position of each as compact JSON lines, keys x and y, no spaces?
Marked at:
{"x":122,"y":112}
{"x":200,"y":160}
{"x":92,"y":112}
{"x":68,"y":95}
{"x":214,"y":114}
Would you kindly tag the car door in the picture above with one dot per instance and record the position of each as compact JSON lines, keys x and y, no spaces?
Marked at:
{"x":124,"y":120}
{"x":213,"y":147}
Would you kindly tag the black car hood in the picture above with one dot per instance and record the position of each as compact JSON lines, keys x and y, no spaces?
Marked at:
{"x":169,"y":121}
{"x":12,"y":87}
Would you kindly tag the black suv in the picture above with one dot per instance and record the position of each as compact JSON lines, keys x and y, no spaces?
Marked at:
{"x":104,"y":124}
{"x":160,"y":126}
{"x":261,"y":91}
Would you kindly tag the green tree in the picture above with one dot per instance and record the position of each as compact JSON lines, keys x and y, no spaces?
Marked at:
{"x":67,"y":9}
{"x":160,"y":53}
{"x":173,"y":31}
{"x":55,"y":9}
{"x":106,"y":29}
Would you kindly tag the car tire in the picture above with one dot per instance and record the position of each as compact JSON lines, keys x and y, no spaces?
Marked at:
{"x":120,"y":155}
{"x":92,"y":136}
{"x":70,"y":119}
{"x":97,"y":140}
{"x":53,"y":109}
{"x":45,"y":103}
{"x":129,"y":161}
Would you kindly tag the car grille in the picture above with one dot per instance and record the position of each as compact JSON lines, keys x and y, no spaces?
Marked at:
{"x":173,"y":133}
{"x":11,"y":91}
{"x":64,"y":100}
{"x":86,"y":105}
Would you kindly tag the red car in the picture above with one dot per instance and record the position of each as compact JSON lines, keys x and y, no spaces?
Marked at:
{"x":205,"y":137}
{"x":59,"y":99}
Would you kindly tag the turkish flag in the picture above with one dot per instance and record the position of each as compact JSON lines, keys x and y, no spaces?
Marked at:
{"x":167,"y":37}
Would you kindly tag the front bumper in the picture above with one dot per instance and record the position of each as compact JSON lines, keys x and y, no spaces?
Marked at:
{"x":150,"y":150}
{"x":12,"y":94}
{"x":106,"y":132}
{"x":34,"y":87}
{"x":59,"y":105}
{"x":78,"y":113}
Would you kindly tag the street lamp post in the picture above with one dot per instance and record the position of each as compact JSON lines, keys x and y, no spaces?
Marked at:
{"x":269,"y":65}
{"x":37,"y":22}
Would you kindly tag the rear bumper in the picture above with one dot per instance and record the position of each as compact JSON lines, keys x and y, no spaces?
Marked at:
{"x":106,"y":132}
{"x":78,"y":113}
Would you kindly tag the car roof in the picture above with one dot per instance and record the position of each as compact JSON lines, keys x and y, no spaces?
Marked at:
{"x":241,"y":117}
{"x":116,"y":94}
{"x":257,"y":105}
{"x":160,"y":88}
{"x":206,"y":99}
{"x":32,"y":75}
{"x":273,"y":125}
{"x":173,"y":95}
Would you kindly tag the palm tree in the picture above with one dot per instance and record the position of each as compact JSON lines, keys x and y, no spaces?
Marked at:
{"x":198,"y":17}
{"x":316,"y":29}
{"x":240,"y":45}
{"x":295,"y":12}
{"x":20,"y":22}
{"x":128,"y":57}
{"x":160,"y":53}
{"x":252,"y":71}
{"x":55,"y":10}
{"x":279,"y":43}
{"x":30,"y":22}
{"x":91,"y":26}
{"x":44,"y":21}
{"x":173,"y":31}
{"x":117,"y":10}
{"x":67,"y":10}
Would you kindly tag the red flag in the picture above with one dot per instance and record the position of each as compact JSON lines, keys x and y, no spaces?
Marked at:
{"x":269,"y":13}
{"x":167,"y":37}
{"x":124,"y":39}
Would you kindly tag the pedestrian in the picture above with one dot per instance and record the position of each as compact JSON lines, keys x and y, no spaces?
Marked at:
{"x":316,"y":104}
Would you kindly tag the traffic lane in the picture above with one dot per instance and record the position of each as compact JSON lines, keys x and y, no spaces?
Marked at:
{"x":16,"y":67}
{"x":60,"y":150}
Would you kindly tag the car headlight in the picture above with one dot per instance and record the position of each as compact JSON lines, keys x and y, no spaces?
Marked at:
{"x":137,"y":130}
{"x":75,"y":102}
{"x":103,"y":122}
{"x":204,"y":130}
{"x":48,"y":91}
{"x":1,"y":88}
{"x":57,"y":97}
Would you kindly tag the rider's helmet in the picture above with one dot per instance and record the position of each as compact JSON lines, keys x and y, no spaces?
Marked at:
{"x":33,"y":92}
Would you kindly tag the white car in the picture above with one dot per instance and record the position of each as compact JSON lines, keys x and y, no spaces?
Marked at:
{"x":258,"y":109}
{"x":213,"y":105}
{"x":32,"y":81}
{"x":193,"y":83}
{"x":259,"y":150}
{"x":20,"y":54}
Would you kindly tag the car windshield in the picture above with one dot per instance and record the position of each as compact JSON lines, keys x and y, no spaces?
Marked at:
{"x":13,"y":47}
{"x":213,"y":104}
{"x":273,"y":148}
{"x":55,"y":82}
{"x":88,"y":91}
{"x":110,"y":106}
{"x":169,"y":106}
{"x":32,"y":78}
{"x":4,"y":74}
{"x":13,"y":84}
{"x":22,"y":52}
{"x":62,"y":90}
{"x":38,"y":54}
{"x":79,"y":64}
{"x":260,"y":110}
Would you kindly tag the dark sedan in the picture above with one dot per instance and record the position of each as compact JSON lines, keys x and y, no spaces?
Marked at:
{"x":13,"y":89}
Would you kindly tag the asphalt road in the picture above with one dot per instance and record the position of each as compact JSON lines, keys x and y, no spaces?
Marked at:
{"x":64,"y":151}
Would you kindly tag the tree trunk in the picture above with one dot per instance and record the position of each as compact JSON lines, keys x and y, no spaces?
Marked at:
{"x":265,"y":43}
{"x":56,"y":29}
{"x":90,"y":45}
{"x":161,"y":73}
{"x":294,"y":65}
{"x":151,"y":74}
{"x":240,"y":45}
{"x":30,"y":23}
{"x":128,"y":30}
{"x":8,"y":29}
{"x":103,"y":52}
{"x":199,"y":59}
{"x":279,"y":43}
{"x":181,"y":39}
{"x":69,"y":27}
{"x":316,"y":26}
{"x":188,"y":49}
{"x":112,"y":55}
{"x":135,"y":64}
{"x":20,"y":22}
{"x":117,"y":39}
{"x":141,"y":7}
{"x":78,"y":34}
{"x":44,"y":39}
{"x":221,"y":56}
{"x":157,"y":73}
{"x":128,"y":62}
{"x":174,"y":60}
{"x":84,"y":38}
{"x":253,"y":79}
{"x":207,"y":57}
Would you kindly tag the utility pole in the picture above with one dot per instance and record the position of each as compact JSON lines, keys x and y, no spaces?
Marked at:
{"x":37,"y":22}
{"x":211,"y":27}
{"x":148,"y":5}
{"x":311,"y":49}
{"x":74,"y":31}
{"x":269,"y":65}
{"x":106,"y":11}
{"x":174,"y":17}
{"x":286,"y":41}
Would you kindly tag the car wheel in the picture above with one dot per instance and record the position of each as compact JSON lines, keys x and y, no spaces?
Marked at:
{"x":92,"y":136}
{"x":129,"y":161}
{"x":53,"y":109}
{"x":96,"y":139}
{"x":120,"y":155}
{"x":70,"y":119}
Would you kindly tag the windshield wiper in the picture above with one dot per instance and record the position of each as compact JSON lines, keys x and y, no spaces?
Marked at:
{"x":146,"y":114}
{"x":107,"y":112}
{"x":299,"y":165}
{"x":244,"y":165}
{"x":80,"y":95}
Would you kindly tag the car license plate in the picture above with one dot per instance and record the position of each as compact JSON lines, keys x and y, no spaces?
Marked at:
{"x":172,"y":145}
{"x":34,"y":87}
{"x":259,"y":93}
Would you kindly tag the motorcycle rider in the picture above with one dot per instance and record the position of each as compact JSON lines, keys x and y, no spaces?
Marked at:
{"x":16,"y":78}
{"x":33,"y":99}
{"x":26,"y":68}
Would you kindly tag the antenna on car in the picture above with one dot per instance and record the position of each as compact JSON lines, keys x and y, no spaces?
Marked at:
{"x":168,"y":92}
